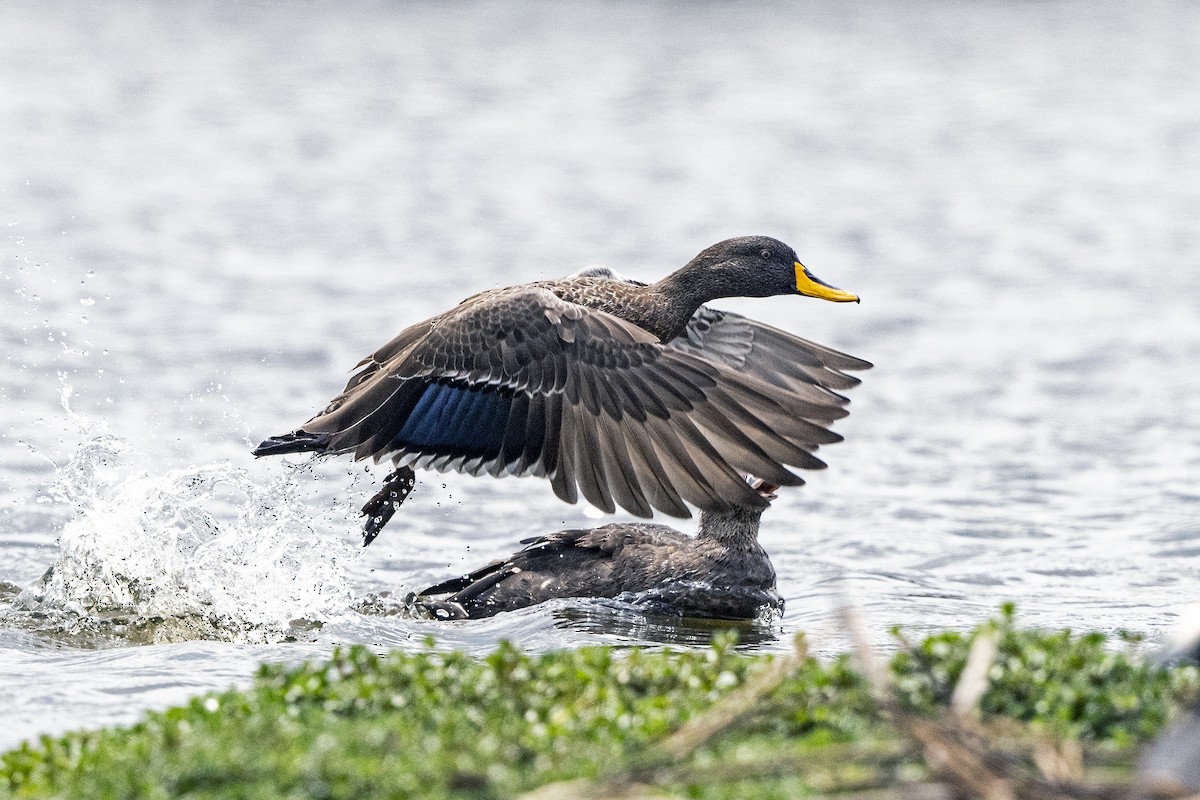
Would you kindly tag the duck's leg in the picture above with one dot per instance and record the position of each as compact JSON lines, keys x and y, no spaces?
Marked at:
{"x":380,"y":508}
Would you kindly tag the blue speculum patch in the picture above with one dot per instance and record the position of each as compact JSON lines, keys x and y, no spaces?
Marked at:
{"x":457,"y":418}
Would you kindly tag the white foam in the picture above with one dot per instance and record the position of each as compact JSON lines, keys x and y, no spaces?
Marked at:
{"x":203,"y":544}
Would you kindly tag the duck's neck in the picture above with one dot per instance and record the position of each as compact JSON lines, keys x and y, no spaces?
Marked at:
{"x":677,"y":296}
{"x":739,"y":526}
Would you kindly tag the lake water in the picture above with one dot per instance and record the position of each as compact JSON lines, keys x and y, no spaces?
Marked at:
{"x":212,"y":211}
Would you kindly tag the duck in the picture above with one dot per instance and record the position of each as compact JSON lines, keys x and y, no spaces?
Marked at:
{"x":628,"y":394}
{"x":720,"y":573}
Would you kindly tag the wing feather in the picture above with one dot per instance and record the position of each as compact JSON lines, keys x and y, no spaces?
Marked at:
{"x":773,"y":355}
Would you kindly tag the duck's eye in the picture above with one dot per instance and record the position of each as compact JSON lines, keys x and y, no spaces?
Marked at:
{"x":766,"y":254}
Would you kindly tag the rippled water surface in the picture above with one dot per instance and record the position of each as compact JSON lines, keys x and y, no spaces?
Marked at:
{"x":213,"y":211}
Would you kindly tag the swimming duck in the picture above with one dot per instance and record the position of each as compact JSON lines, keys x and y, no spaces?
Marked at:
{"x":722,"y":572}
{"x":630,"y":394}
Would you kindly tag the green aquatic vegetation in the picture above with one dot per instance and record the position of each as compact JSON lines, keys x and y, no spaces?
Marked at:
{"x":445,"y":724}
{"x":1075,"y":686}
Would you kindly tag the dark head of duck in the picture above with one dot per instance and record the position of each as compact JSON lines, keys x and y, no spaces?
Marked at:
{"x":750,"y":266}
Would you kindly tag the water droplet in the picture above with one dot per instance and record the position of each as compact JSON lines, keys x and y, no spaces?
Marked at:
{"x":87,"y":301}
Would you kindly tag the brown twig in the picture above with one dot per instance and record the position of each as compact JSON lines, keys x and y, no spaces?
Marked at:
{"x":953,"y":746}
{"x":970,"y":758}
{"x":725,"y":712}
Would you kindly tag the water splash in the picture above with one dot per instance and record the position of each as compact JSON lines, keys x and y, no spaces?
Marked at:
{"x":201,"y":552}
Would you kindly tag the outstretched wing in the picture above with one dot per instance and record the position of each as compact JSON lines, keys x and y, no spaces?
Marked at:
{"x":522,"y":382}
{"x":767,"y":353}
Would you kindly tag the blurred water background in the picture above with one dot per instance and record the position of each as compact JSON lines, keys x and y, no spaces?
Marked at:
{"x":211,"y":211}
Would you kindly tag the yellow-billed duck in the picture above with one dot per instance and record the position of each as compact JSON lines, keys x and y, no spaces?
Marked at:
{"x":722,"y":572}
{"x":630,"y":394}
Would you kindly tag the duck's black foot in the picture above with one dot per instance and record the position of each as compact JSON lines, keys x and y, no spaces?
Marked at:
{"x":380,"y":508}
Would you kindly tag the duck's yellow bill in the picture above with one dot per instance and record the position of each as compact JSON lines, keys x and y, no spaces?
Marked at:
{"x":810,"y":285}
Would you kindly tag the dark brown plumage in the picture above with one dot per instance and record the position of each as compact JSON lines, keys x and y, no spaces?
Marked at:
{"x":629,"y":394}
{"x":721,"y":572}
